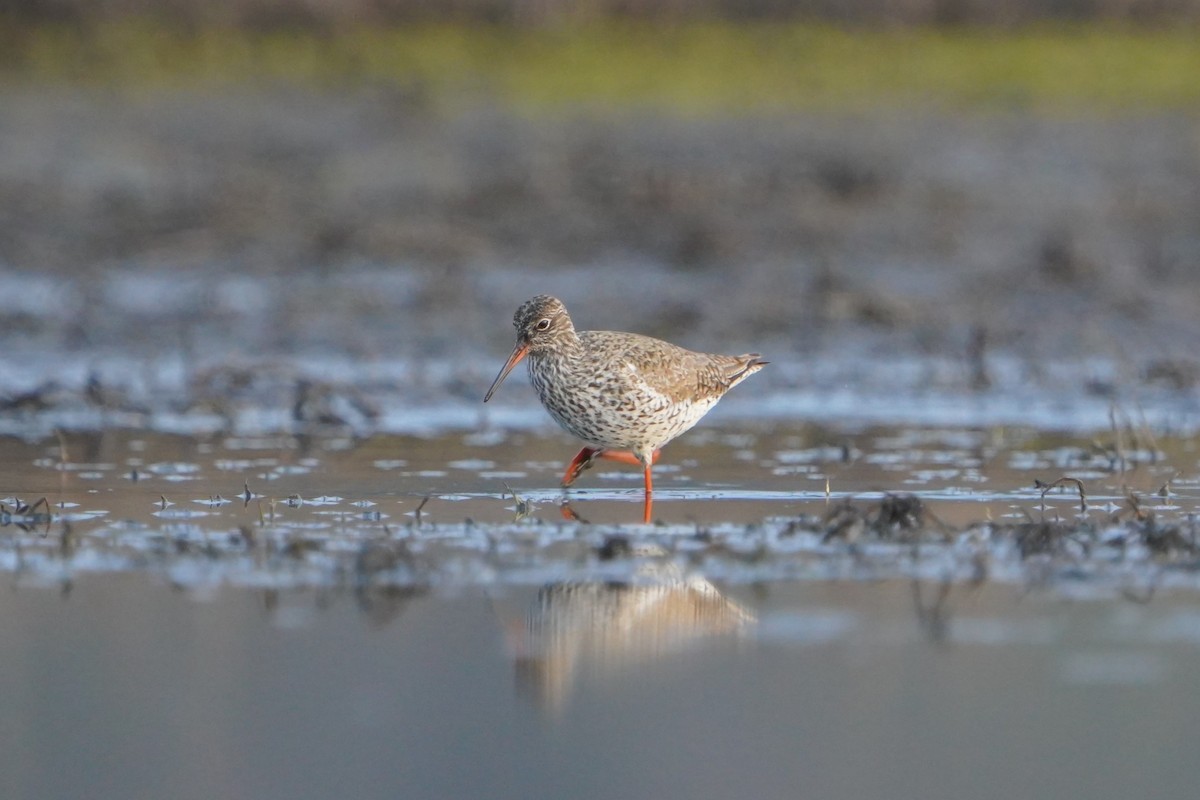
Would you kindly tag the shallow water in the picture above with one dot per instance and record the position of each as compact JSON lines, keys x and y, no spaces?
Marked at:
{"x":714,"y":474}
{"x":129,"y":689}
{"x":484,"y":509}
{"x":381,"y":617}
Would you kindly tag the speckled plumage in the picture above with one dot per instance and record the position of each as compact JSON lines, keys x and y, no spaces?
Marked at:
{"x":618,"y":391}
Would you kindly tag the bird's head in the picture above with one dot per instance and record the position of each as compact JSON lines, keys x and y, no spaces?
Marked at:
{"x":540,"y":321}
{"x":542,"y":325}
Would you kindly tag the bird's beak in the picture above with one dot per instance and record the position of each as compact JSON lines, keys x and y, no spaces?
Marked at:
{"x":517,"y":354}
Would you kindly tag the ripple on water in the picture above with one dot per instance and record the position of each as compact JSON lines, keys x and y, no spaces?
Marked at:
{"x":472,"y":464}
{"x":994,"y":631}
{"x":179,"y":513}
{"x":1112,"y":668}
{"x":813,"y":626}
{"x":167,"y":468}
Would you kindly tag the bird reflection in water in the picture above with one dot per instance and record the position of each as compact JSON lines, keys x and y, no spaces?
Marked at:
{"x":604,"y":629}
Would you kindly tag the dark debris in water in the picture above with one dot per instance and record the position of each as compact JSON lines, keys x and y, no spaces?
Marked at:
{"x":897,"y":517}
{"x":1047,"y":537}
{"x":896,"y":536}
{"x":1064,"y":481}
{"x":905,"y":519}
{"x":393,"y":517}
{"x":26,"y":516}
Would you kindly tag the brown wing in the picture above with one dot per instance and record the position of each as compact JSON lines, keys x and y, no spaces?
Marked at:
{"x":672,"y":371}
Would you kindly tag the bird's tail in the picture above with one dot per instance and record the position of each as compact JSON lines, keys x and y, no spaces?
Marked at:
{"x":745,"y":366}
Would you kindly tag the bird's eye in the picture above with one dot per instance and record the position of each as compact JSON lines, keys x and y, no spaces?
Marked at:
{"x":543,"y":324}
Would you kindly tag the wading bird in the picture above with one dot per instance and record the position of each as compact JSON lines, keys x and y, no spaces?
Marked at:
{"x":625,"y":395}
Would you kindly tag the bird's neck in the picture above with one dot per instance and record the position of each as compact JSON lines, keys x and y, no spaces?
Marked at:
{"x":566,"y":345}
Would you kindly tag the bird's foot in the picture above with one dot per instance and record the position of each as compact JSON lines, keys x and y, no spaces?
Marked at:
{"x":583,"y":459}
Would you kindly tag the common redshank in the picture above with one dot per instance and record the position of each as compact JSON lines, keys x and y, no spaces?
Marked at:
{"x":625,"y":395}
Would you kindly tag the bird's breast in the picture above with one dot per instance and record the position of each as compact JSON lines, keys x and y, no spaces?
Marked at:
{"x":609,"y":407}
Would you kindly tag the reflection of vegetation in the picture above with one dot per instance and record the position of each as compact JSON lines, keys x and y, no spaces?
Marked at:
{"x":690,"y":68}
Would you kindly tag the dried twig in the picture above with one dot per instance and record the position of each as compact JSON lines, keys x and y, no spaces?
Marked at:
{"x":1045,"y":487}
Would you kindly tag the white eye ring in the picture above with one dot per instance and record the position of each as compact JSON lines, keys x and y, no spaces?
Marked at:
{"x":543,"y":324}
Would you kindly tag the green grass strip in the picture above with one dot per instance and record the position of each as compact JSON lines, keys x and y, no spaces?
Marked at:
{"x":689,"y":69}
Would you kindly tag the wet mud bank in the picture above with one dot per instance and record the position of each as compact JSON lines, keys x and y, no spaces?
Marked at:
{"x":741,"y":505}
{"x":274,"y":257}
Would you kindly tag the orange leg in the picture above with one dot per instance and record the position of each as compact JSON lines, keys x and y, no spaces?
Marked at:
{"x":626,"y":457}
{"x":584,"y":458}
{"x":649,"y":501}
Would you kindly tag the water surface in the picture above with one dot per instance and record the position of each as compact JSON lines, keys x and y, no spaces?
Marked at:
{"x":831,"y":611}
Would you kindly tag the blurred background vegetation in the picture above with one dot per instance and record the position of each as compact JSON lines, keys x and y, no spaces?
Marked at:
{"x":687,"y":55}
{"x":274,"y":14}
{"x":941,"y":173}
